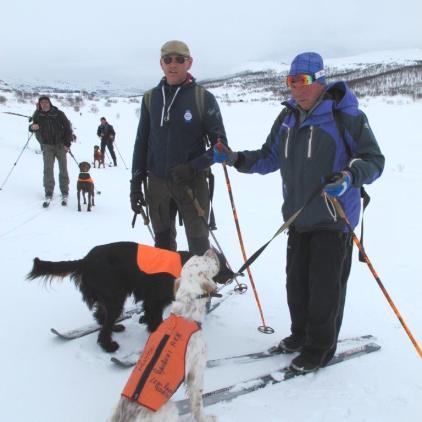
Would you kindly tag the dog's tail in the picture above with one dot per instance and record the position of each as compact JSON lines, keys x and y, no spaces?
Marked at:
{"x":50,"y":270}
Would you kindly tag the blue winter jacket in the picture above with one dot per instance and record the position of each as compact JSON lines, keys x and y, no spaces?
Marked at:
{"x":307,"y":152}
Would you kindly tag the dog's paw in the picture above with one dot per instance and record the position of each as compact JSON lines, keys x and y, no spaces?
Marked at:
{"x":110,"y":347}
{"x":118,"y":328}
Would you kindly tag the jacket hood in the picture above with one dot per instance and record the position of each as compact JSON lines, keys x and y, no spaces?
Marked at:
{"x":337,"y":96}
{"x":342,"y":96}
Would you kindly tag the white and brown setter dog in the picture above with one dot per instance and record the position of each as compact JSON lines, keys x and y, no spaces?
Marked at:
{"x":110,"y":273}
{"x":176,"y":352}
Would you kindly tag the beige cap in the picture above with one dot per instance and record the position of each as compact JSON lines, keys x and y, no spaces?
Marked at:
{"x":175,"y":47}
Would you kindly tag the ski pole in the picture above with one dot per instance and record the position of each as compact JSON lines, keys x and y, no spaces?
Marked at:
{"x":342,"y":214}
{"x":16,"y":162}
{"x":241,"y":287}
{"x":146,"y":222}
{"x":120,"y":155}
{"x":264,"y":328}
{"x":108,"y":158}
{"x":283,"y":228}
{"x":18,"y":114}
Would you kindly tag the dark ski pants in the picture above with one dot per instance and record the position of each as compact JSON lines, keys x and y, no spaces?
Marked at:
{"x":165,"y":199}
{"x":50,"y":153}
{"x":318,"y":266}
{"x":109,"y":145}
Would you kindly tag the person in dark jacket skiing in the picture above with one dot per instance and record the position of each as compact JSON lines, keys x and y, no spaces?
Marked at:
{"x":107,"y":134}
{"x":54,"y":133}
{"x":178,"y":119}
{"x":307,"y":144}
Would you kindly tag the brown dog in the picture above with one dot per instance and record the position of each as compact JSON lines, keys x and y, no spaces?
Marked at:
{"x":98,"y":157}
{"x":86,"y":185}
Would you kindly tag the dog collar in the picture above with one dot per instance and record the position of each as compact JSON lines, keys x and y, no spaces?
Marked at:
{"x":207,"y":295}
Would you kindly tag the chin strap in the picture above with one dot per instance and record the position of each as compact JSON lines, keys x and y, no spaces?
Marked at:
{"x":207,"y":295}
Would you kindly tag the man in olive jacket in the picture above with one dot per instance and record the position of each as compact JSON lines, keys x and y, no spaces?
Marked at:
{"x":54,"y":133}
{"x":178,"y":119}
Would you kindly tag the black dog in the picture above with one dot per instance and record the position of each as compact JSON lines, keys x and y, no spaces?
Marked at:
{"x":85,"y":185}
{"x":110,"y":273}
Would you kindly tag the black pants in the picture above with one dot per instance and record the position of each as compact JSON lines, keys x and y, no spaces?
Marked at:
{"x":110,"y":147}
{"x":318,"y":266}
{"x":165,"y":199}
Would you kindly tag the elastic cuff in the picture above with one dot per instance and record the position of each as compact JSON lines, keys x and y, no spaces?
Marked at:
{"x":240,"y":161}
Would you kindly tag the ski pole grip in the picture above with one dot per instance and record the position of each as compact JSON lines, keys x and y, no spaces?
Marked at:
{"x":145,"y":217}
{"x":195,"y":202}
{"x":134,"y":220}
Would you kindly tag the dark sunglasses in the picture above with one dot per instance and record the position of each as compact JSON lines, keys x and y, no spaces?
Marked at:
{"x":178,"y":59}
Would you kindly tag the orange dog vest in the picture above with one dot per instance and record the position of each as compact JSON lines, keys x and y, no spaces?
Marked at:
{"x":161,"y":368}
{"x":86,"y":180}
{"x":153,"y":260}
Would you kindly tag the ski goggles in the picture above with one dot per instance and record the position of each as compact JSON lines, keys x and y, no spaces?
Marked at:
{"x":300,"y":79}
{"x":177,"y":59}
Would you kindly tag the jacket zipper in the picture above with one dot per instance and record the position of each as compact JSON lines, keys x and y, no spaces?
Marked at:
{"x":286,"y":145}
{"x":310,"y":142}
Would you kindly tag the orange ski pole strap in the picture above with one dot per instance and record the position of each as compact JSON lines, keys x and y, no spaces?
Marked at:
{"x":343,"y":215}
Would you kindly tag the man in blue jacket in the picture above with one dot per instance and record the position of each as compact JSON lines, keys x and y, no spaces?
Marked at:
{"x":179,"y":119}
{"x":320,"y":133}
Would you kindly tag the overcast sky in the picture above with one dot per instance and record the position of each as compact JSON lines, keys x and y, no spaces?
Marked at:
{"x":120,"y":40}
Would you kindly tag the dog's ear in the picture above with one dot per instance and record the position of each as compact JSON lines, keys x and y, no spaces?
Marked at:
{"x":225,"y":274}
{"x":212,"y":254}
{"x":176,"y":286}
{"x":208,"y":285}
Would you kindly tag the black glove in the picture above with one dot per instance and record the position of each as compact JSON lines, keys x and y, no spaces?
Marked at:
{"x":137,"y":199}
{"x":182,"y":174}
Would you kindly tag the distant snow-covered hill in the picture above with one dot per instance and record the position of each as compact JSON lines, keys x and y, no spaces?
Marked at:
{"x":372,"y":74}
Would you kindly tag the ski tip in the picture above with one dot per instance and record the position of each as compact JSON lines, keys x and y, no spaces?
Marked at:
{"x":120,"y":364}
{"x":57,"y":333}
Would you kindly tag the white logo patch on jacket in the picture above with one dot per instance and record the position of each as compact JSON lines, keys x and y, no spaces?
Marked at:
{"x":188,"y":116}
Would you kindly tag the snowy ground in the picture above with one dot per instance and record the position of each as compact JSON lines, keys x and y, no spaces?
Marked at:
{"x":48,"y":380}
